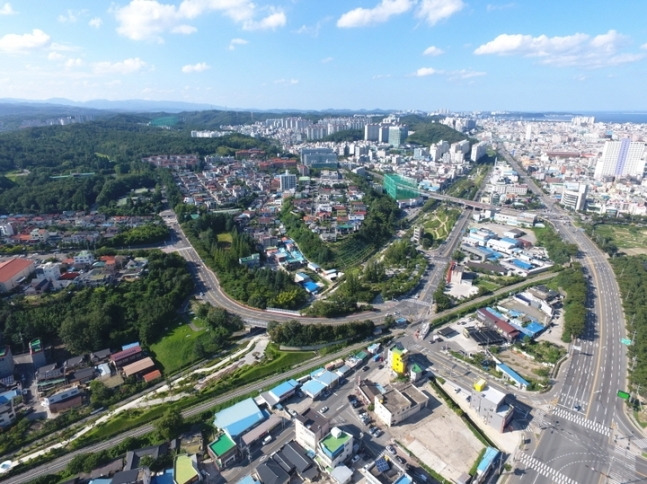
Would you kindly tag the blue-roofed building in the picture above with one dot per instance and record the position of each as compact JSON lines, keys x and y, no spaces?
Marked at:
{"x":328,"y":379}
{"x":313,"y":388}
{"x":248,"y":479}
{"x":7,"y":409}
{"x":317,"y":372}
{"x":511,"y":375}
{"x":526,"y":266}
{"x":285,"y":389}
{"x":239,"y":418}
{"x":488,"y":462}
{"x":311,"y":287}
{"x":165,"y":478}
{"x":404,"y":479}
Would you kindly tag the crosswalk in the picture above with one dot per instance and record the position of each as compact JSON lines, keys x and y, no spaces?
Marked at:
{"x":641,"y":443}
{"x":578,"y":419}
{"x":622,"y":468}
{"x":544,"y":469}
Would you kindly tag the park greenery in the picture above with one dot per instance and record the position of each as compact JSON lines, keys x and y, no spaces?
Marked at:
{"x":560,"y":252}
{"x":631,"y":273}
{"x":425,"y":130}
{"x":258,"y":287}
{"x":573,"y":283}
{"x":294,"y":333}
{"x":90,"y":319}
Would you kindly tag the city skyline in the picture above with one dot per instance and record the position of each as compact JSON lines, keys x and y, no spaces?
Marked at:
{"x":291,"y":54}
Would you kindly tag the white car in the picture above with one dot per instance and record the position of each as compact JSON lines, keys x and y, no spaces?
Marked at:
{"x":323,"y":409}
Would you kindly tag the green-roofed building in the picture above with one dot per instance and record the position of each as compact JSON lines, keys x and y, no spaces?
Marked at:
{"x":223,"y":451}
{"x":185,"y":469}
{"x":335,"y":447}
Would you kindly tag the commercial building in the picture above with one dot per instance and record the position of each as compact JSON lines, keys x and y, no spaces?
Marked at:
{"x":397,"y":358}
{"x":310,"y":427}
{"x":13,"y":272}
{"x":397,"y":404}
{"x":335,"y":447}
{"x":239,"y":418}
{"x":318,"y":157}
{"x":574,"y":196}
{"x":491,"y":406}
{"x":400,"y":187}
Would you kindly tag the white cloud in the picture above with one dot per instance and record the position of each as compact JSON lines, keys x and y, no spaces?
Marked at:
{"x":504,"y":6}
{"x":433,"y":51}
{"x":95,"y":22}
{"x":465,"y":74}
{"x":644,"y":46}
{"x":7,"y":10}
{"x":287,"y":81}
{"x":15,"y":43}
{"x":326,"y":60}
{"x":579,"y":49}
{"x":71,"y":16}
{"x":184,"y":29}
{"x":361,"y":17}
{"x":313,"y":30}
{"x":55,"y":56}
{"x":73,"y":63}
{"x":199,"y":67}
{"x":433,"y":11}
{"x":426,"y":71}
{"x":150,"y":19}
{"x":127,"y":66}
{"x":233,"y":43}
{"x":381,"y":76}
{"x":271,"y":22}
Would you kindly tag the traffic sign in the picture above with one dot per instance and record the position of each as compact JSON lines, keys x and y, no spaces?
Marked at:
{"x":623,"y":395}
{"x":626,"y":341}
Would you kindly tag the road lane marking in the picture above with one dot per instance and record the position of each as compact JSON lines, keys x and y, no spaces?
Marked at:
{"x":544,"y":469}
{"x":584,"y":422}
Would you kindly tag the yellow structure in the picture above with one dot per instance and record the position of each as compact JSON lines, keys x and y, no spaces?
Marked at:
{"x":398,"y":359}
{"x":480,"y":385}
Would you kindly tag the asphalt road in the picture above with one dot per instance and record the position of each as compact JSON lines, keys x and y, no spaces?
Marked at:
{"x":586,"y":437}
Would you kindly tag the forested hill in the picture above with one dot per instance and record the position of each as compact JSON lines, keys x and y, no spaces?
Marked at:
{"x":108,"y":153}
{"x":121,"y":139}
{"x":427,"y":130}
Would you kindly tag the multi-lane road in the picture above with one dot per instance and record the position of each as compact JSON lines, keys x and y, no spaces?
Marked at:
{"x":586,"y":436}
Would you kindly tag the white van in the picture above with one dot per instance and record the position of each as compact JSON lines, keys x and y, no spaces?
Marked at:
{"x":267,"y":440}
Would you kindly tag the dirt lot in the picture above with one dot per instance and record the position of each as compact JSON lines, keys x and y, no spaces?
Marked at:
{"x":438,"y":438}
{"x":520,"y":363}
{"x":499,"y":229}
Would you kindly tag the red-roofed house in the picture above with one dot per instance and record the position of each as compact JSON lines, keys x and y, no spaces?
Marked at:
{"x":13,"y":271}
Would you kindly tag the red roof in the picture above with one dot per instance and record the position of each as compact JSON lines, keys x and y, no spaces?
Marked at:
{"x":12,"y":267}
{"x":153,"y":375}
{"x":125,"y":353}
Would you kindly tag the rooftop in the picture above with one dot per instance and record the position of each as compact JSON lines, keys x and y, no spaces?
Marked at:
{"x":236,"y":419}
{"x":222,"y":445}
{"x":185,"y":469}
{"x":332,"y":443}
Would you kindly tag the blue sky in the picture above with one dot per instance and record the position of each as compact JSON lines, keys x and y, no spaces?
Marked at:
{"x":318,"y":54}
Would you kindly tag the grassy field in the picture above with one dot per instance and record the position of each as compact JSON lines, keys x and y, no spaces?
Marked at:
{"x":175,"y":350}
{"x":440,"y":222}
{"x":625,"y":237}
{"x":15,"y":174}
{"x":224,"y":240}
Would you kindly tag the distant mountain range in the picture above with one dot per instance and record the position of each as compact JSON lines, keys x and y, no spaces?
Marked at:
{"x":130,"y":105}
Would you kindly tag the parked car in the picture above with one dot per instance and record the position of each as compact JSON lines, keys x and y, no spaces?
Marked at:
{"x":390,"y":448}
{"x":400,"y":460}
{"x":355,"y":458}
{"x":323,"y":409}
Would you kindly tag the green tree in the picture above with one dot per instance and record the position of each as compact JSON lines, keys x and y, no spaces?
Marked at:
{"x":170,"y":425}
